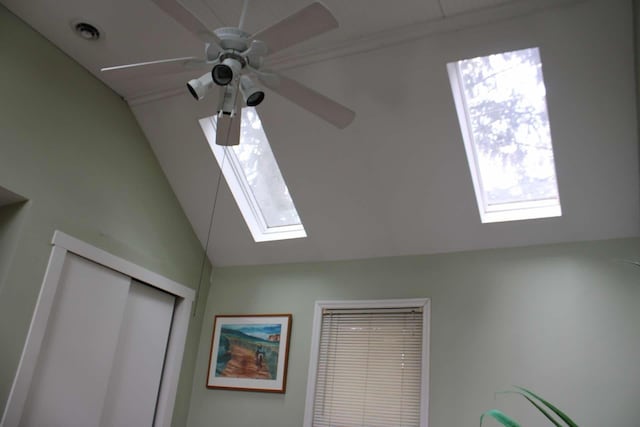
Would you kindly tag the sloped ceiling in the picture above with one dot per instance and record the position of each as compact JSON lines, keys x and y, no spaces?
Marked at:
{"x":396,"y":181}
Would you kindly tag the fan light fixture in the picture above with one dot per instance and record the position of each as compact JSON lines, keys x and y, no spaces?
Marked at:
{"x":252,"y":94}
{"x":198,"y":87}
{"x":234,"y":59}
{"x":224,"y":73}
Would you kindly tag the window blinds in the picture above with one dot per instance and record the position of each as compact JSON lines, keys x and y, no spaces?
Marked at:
{"x":369,"y":368}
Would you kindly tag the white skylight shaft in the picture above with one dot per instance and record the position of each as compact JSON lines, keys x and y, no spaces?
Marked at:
{"x":254,"y":178}
{"x":501,"y":104}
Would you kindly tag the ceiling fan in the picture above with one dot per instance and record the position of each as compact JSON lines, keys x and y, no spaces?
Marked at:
{"x":234,"y":59}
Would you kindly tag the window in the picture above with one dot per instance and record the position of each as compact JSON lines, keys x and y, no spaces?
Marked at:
{"x":369,"y":364}
{"x":254,"y":178}
{"x":501,"y":105}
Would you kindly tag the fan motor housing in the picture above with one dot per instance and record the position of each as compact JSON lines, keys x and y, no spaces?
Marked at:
{"x":233,"y":38}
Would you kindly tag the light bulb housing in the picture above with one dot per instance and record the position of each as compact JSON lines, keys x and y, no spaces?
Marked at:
{"x":224,"y":72}
{"x":199,"y":87}
{"x":252,"y":94}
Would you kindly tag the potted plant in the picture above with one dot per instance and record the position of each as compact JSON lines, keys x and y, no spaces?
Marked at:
{"x":539,"y":403}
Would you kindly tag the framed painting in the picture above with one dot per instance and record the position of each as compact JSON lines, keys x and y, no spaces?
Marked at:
{"x":250,"y":352}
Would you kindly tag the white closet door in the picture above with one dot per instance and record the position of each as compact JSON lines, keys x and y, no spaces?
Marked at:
{"x":70,"y":380}
{"x":102,"y":356}
{"x":137,"y":366}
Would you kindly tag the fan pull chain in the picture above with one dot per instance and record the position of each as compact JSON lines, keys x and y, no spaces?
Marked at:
{"x":206,"y":246}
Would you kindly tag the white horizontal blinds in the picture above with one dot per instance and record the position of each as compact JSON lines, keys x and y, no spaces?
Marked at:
{"x":369,"y":368}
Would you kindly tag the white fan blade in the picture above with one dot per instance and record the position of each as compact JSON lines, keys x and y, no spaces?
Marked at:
{"x":228,"y":130}
{"x":311,"y":21}
{"x":164,"y":66}
{"x":267,"y":77}
{"x":255,"y":52}
{"x":312,"y":101}
{"x":177,"y":11}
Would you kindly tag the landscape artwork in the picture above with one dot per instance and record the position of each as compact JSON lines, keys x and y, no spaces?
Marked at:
{"x":249,"y":352}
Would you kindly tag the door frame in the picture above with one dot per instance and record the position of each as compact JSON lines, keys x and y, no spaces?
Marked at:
{"x":62,"y":244}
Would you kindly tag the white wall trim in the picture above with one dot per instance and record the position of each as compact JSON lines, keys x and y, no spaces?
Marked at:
{"x":172,"y":363}
{"x":411,"y":32}
{"x":313,"y":364}
{"x":31,"y":351}
{"x":113,"y":262}
{"x":293,"y":58}
{"x":425,"y":303}
{"x":63,"y":244}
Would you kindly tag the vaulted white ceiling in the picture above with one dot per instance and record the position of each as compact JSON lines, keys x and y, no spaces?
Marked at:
{"x":396,"y":181}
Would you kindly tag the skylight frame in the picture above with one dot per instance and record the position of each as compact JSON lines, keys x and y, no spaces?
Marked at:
{"x":242,"y":193}
{"x":498,"y":212}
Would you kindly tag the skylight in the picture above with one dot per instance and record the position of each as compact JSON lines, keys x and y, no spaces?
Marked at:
{"x":255,"y":180}
{"x":502,"y":109}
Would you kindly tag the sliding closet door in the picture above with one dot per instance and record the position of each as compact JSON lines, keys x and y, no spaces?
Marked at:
{"x":70,"y":381}
{"x":102,"y":355}
{"x":137,"y":366}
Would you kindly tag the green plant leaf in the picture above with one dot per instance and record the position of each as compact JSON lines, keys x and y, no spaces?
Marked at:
{"x":557,"y":411}
{"x":500,"y":417}
{"x":540,"y":408}
{"x":636,"y":263}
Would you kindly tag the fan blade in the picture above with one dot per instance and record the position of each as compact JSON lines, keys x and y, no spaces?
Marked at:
{"x":228,"y":130}
{"x":267,"y":77}
{"x":256,"y":48}
{"x":255,"y":52}
{"x":309,"y":22}
{"x":177,"y":11}
{"x":312,"y":101}
{"x":164,"y":66}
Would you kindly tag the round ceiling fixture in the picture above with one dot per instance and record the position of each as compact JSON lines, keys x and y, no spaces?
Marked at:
{"x":86,"y":31}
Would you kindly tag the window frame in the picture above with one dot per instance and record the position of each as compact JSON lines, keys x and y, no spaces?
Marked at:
{"x":320,"y":306}
{"x":242,"y":193}
{"x":502,"y":212}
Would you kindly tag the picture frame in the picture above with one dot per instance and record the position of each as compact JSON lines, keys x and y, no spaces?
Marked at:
{"x":250,"y":352}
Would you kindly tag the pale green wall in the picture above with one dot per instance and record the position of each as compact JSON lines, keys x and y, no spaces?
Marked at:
{"x":72,"y":147}
{"x":562,"y":319}
{"x":11,"y":220}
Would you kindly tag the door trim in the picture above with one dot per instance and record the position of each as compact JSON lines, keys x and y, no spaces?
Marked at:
{"x":62,"y":244}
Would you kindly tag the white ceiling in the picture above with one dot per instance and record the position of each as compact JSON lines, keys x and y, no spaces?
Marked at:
{"x":396,"y":181}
